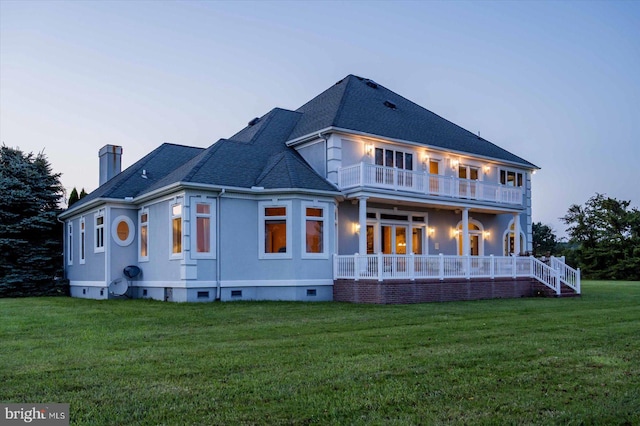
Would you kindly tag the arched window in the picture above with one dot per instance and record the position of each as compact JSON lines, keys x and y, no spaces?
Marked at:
{"x":476,"y":238}
{"x":508,"y":242}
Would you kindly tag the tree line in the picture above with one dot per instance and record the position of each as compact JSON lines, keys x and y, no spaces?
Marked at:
{"x":604,"y":232}
{"x":604,"y":239}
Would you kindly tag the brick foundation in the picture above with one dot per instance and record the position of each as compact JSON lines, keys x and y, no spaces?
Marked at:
{"x":420,"y":291}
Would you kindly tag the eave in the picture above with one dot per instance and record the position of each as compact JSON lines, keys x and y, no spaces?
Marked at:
{"x":323,"y":132}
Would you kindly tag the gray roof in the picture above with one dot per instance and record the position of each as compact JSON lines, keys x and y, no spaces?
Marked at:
{"x":258,"y":155}
{"x":358,"y":104}
{"x":157,"y":164}
{"x":255,"y":156}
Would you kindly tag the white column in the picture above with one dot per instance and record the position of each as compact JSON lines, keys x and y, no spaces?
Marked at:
{"x":516,"y":233}
{"x":362,"y":220}
{"x":465,"y":232}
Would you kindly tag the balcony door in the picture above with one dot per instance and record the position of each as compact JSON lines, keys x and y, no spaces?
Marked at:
{"x":389,"y":158}
{"x":434,"y":178}
{"x":468,"y":186}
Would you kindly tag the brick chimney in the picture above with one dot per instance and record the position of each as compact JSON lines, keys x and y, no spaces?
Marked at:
{"x":110,"y":162}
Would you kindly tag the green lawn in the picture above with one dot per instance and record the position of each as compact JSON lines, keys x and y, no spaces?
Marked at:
{"x":524,"y":361}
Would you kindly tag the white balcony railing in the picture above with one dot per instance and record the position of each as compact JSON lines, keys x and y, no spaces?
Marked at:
{"x":371,"y":175}
{"x":410,"y":267}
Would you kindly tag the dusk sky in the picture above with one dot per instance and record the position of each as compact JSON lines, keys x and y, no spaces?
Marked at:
{"x":557,"y":83}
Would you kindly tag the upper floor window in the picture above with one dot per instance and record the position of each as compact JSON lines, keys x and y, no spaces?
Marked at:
{"x":511,"y":178}
{"x":82,"y":241}
{"x":99,"y":240}
{"x":176,"y":230}
{"x":143,"y":242}
{"x":468,"y":172}
{"x":203,"y":218}
{"x":70,"y":243}
{"x":392,"y":158}
{"x":275,"y":230}
{"x":314,"y":230}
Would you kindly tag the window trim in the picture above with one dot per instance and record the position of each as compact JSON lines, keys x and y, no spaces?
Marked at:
{"x":516,"y":172}
{"x":180,"y":254}
{"x":303,"y":227}
{"x":70,"y":243}
{"x":262,"y":205}
{"x":141,"y":212}
{"x":82,"y":241}
{"x":211,"y":254}
{"x":99,"y":231}
{"x":395,"y":152}
{"x":114,"y":231}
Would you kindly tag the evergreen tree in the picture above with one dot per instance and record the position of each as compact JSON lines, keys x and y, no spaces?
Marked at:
{"x":73,"y":197}
{"x":30,"y":234}
{"x":83,"y":194}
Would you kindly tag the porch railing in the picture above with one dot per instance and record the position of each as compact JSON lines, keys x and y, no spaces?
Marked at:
{"x":392,"y":266}
{"x":371,"y":175}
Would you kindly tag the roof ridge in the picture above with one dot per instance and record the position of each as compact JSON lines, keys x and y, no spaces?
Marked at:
{"x":271,"y":163}
{"x":267,"y":118}
{"x":132,"y":171}
{"x":342,"y":99}
{"x":208,"y":153}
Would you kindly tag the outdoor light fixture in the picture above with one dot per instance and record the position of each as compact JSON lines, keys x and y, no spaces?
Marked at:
{"x":368,"y":149}
{"x":431,"y":231}
{"x":487,"y":234}
{"x":356,"y":228}
{"x":487,"y":169}
{"x":454,"y":163}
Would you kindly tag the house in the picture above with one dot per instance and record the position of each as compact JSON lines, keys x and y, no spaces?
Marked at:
{"x":359,"y":195}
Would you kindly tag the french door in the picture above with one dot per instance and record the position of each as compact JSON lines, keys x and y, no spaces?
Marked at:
{"x":393,"y":239}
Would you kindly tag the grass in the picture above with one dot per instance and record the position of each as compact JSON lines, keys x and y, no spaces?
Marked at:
{"x":524,"y":361}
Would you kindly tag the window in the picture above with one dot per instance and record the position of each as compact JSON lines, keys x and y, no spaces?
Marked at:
{"x":391,"y":158}
{"x":203,"y":228}
{"x":511,"y":178}
{"x":468,"y":172}
{"x":275,"y":230}
{"x":123,"y":231}
{"x":70,"y":243}
{"x":143,"y":242}
{"x":176,"y":230}
{"x":509,"y":243}
{"x":82,"y":241}
{"x":99,"y":240}
{"x":314,"y":230}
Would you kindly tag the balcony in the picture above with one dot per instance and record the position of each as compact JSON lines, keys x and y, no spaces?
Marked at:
{"x":373,"y":176}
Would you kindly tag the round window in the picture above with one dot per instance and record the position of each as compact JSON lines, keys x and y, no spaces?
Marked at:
{"x":123,"y":231}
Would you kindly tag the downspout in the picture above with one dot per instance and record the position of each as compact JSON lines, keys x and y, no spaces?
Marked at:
{"x":218,"y":247}
{"x":326,"y":154}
